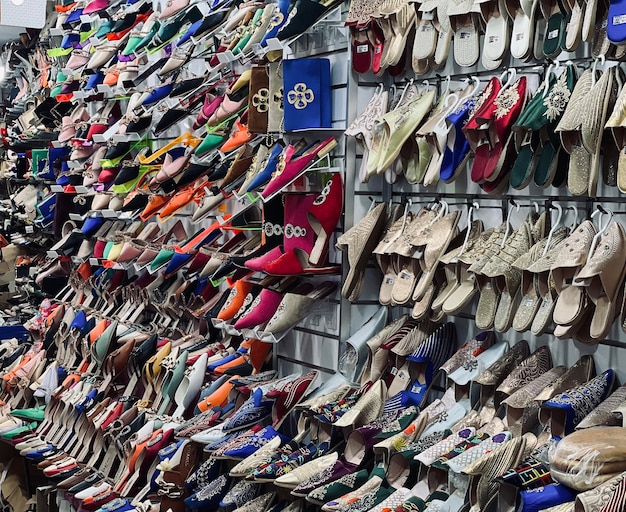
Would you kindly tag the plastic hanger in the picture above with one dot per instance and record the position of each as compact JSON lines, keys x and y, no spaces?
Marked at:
{"x":427,"y":84}
{"x":447,"y":89}
{"x":405,"y":216}
{"x":406,"y":87}
{"x":602,"y":60}
{"x":476,"y":81}
{"x":470,"y":219}
{"x":554,"y":228}
{"x":442,"y":127}
{"x":552,"y":69}
{"x":516,"y":207}
{"x":575,"y":222}
{"x":373,"y":203}
{"x":602,"y":228}
{"x":442,"y":211}
{"x":512,"y":72}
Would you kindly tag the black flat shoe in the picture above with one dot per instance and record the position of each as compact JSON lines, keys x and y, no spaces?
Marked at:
{"x":173,"y":116}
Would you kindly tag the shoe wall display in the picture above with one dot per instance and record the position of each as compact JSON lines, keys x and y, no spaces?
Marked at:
{"x":292,"y":255}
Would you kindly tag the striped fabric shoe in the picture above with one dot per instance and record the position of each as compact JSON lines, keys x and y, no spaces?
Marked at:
{"x":424,"y":364}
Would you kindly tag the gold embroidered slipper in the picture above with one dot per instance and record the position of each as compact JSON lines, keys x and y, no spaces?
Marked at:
{"x":466,"y":286}
{"x":506,"y":277}
{"x":535,"y":365}
{"x":359,"y":242}
{"x":571,"y":258}
{"x":484,"y":471}
{"x":408,"y":274}
{"x":493,"y":376}
{"x":463,"y":242}
{"x":372,"y":369}
{"x":569,"y":130}
{"x":617,"y":125}
{"x":532,"y":298}
{"x":522,"y":408}
{"x":435,"y":240}
{"x":604,"y":414}
{"x":406,"y":260}
{"x":544,"y":285}
{"x":600,"y":44}
{"x":603,"y":278}
{"x":386,"y":260}
{"x":423,"y":307}
{"x":601,"y":100}
{"x":489,"y":296}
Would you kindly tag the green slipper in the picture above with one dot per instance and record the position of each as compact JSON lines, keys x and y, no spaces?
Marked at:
{"x":554,"y":30}
{"x":59,"y":52}
{"x":243,"y":41}
{"x":524,"y":166}
{"x":172,"y":380}
{"x":103,"y":29}
{"x":12,"y":434}
{"x":547,"y":165}
{"x":33,"y":413}
{"x":338,"y":488}
{"x":161,"y":259}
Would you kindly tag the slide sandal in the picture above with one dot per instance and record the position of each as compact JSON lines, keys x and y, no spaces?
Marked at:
{"x":497,"y":38}
{"x":425,"y":41}
{"x":573,"y":35}
{"x":442,"y":24}
{"x":522,"y":12}
{"x":554,"y":29}
{"x":616,"y":27}
{"x":362,"y":50}
{"x":466,"y":40}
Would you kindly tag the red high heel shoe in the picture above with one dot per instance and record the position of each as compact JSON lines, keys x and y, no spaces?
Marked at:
{"x":323,"y":216}
{"x":293,"y":167}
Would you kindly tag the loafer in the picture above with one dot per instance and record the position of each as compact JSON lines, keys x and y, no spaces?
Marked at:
{"x":296,"y":459}
{"x":306,"y":471}
{"x":333,"y":490}
{"x":255,"y":410}
{"x":254,"y":443}
{"x":240,"y":494}
{"x":568,"y":409}
{"x":209,"y":497}
{"x":295,"y":166}
{"x":157,"y":94}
